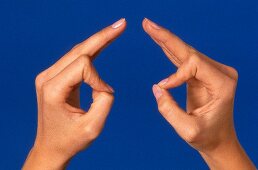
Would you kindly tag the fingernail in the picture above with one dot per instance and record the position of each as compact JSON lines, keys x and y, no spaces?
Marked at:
{"x":110,"y":88}
{"x":118,"y":23}
{"x":157,"y":91}
{"x":145,"y":19}
{"x":153,"y":25}
{"x":163,"y":82}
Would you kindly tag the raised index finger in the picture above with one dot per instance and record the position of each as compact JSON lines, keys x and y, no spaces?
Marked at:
{"x":100,"y":40}
{"x":176,"y":49}
{"x":89,"y":47}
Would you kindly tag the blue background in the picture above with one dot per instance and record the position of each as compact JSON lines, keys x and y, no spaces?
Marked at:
{"x":34,"y":34}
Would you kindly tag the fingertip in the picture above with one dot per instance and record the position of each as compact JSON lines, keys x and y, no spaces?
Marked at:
{"x":97,"y":42}
{"x":174,"y":80}
{"x":100,"y":85}
{"x":157,"y":91}
{"x":146,"y":26}
{"x":113,"y":31}
{"x":144,"y":23}
{"x":119,"y":25}
{"x":101,"y":96}
{"x":105,"y":88}
{"x":149,"y":25}
{"x":153,"y":25}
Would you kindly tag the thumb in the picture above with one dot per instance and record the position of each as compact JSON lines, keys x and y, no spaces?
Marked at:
{"x":183,"y":123}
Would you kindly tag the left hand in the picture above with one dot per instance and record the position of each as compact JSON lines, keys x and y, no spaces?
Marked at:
{"x":64,"y":128}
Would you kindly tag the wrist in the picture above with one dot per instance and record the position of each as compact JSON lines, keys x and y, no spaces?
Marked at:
{"x":228,"y":155}
{"x":41,"y":159}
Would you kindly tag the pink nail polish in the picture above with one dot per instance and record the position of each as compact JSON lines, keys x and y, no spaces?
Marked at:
{"x":163,"y":82}
{"x":153,"y":25}
{"x":145,"y":19}
{"x":157,"y":91}
{"x":118,"y":23}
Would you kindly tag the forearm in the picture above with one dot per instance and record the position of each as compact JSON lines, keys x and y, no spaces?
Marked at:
{"x":228,"y":156}
{"x":40,"y":160}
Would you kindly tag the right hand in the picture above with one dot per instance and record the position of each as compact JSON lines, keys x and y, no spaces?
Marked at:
{"x":207,"y":124}
{"x":64,"y":128}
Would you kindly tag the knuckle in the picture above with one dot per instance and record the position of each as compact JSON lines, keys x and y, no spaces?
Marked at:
{"x":76,"y":46}
{"x":76,"y":50}
{"x":193,"y":134}
{"x":233,"y":72}
{"x":46,"y":87}
{"x":49,"y":93}
{"x":194,"y":58}
{"x":232,"y":83}
{"x":85,"y":60}
{"x":229,"y":88}
{"x":39,"y":80}
{"x":193,"y":63}
{"x":164,"y":107}
{"x":91,"y":132}
{"x":182,"y":75}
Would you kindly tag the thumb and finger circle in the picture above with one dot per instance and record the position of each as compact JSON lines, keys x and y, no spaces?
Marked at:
{"x":76,"y":66}
{"x":179,"y":52}
{"x":90,"y":48}
{"x":57,"y":90}
{"x":184,"y":124}
{"x":190,"y":65}
{"x":60,"y":86}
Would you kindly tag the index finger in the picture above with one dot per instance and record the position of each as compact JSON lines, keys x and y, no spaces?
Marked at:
{"x":176,"y":49}
{"x":100,"y":40}
{"x":90,"y":47}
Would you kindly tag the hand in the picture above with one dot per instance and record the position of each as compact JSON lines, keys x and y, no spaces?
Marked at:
{"x":207,"y":124}
{"x":64,"y":128}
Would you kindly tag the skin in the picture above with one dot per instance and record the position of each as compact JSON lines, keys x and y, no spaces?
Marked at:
{"x":64,"y":129}
{"x":207,"y":124}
